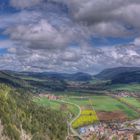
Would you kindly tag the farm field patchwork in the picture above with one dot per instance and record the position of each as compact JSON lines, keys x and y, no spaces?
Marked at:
{"x":105,"y":104}
{"x":102,"y":104}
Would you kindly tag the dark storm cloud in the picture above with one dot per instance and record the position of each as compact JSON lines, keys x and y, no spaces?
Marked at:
{"x":44,"y":35}
{"x":94,"y":11}
{"x":107,"y":17}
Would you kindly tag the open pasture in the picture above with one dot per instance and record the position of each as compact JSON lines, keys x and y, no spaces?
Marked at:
{"x":109,"y":104}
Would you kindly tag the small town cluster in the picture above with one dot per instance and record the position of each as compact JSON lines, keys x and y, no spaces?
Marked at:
{"x":126,"y":94}
{"x":111,"y":131}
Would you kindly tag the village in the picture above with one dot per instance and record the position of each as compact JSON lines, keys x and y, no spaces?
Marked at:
{"x":111,"y":131}
{"x":125,"y":94}
{"x":50,"y":96}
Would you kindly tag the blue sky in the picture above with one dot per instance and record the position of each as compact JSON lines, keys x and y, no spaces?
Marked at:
{"x":69,"y":36}
{"x":3,"y":51}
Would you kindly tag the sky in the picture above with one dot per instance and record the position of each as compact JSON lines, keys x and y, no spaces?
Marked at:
{"x":69,"y":35}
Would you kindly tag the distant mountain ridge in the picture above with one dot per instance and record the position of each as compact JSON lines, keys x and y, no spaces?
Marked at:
{"x":120,"y":75}
{"x":61,"y":76}
{"x":60,"y":81}
{"x":112,"y":72}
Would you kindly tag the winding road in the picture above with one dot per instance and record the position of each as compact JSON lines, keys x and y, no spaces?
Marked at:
{"x":75,"y":133}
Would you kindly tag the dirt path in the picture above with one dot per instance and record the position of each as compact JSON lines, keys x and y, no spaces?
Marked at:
{"x":75,"y":133}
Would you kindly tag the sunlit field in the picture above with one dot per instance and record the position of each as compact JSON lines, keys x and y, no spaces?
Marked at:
{"x":86,"y":117}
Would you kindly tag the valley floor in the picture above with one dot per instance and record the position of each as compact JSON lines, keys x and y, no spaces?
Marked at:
{"x":92,"y":110}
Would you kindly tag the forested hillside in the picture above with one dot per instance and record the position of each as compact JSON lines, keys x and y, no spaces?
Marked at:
{"x":31,"y":80}
{"x":112,"y":73}
{"x":20,"y":118}
{"x":120,"y":75}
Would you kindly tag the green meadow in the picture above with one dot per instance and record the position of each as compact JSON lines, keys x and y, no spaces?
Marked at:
{"x":106,"y":103}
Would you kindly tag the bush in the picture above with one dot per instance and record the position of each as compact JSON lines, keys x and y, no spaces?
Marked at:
{"x":12,"y":132}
